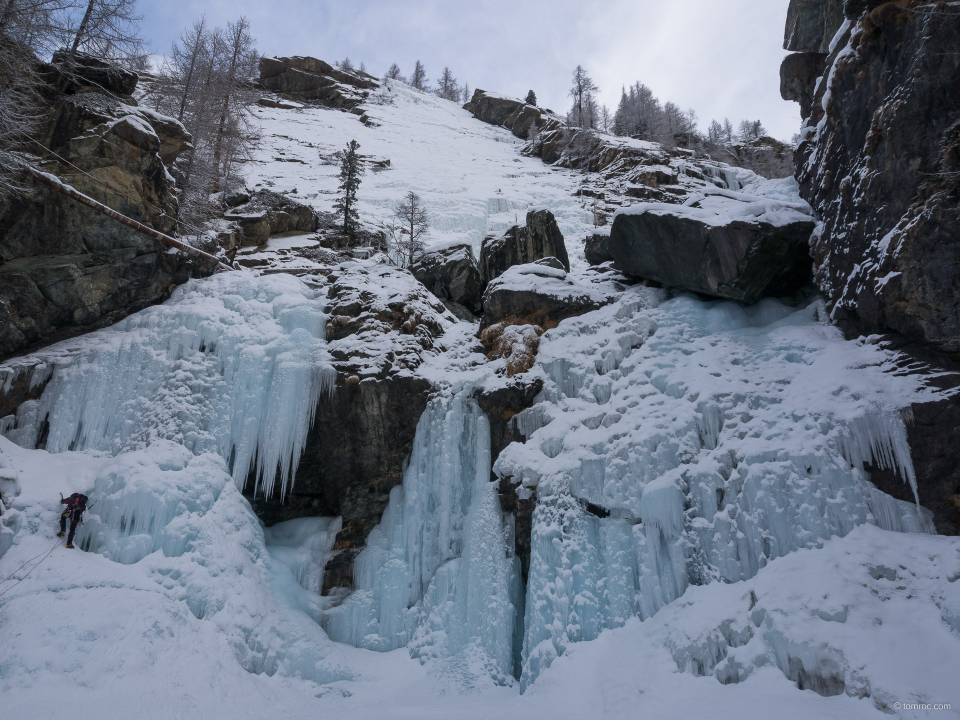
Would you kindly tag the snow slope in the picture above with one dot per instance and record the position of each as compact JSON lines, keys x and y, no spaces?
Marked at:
{"x":470,"y":175}
{"x":705,"y":544}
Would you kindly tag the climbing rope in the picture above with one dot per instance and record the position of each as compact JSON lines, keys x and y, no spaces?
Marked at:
{"x":45,"y":556}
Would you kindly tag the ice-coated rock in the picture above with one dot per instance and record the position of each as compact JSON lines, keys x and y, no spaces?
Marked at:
{"x":723,"y":244}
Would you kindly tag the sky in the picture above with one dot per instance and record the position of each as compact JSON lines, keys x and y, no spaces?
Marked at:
{"x":719,"y":57}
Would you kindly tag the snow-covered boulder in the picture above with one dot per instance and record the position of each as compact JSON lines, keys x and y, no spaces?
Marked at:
{"x":453,"y":275}
{"x":597,"y":247}
{"x":539,"y":238}
{"x":539,"y":294}
{"x":723,"y":244}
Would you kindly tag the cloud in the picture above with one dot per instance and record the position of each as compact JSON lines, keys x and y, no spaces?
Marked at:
{"x":719,"y":57}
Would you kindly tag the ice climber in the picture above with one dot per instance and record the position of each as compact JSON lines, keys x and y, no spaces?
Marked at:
{"x":76,"y":506}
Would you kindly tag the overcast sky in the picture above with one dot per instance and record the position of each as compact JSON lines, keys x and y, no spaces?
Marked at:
{"x":719,"y":57}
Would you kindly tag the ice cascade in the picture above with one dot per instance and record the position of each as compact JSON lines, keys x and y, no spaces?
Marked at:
{"x":233,"y":364}
{"x":437,"y":574}
{"x":679,"y":442}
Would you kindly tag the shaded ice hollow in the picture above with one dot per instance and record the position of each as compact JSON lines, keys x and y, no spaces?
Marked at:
{"x":234,"y":364}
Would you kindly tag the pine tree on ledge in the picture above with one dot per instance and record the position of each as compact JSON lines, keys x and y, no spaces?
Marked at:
{"x":350,"y":172}
{"x":531,"y":98}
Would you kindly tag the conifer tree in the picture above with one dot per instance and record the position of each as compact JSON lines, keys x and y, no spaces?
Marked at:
{"x":350,"y":172}
{"x":531,"y":98}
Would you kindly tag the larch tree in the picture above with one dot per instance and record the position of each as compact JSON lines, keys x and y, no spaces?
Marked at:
{"x":394,"y":73}
{"x":108,"y":29}
{"x":411,"y":225}
{"x":582,"y":91}
{"x":350,"y":172}
{"x":447,"y":86}
{"x":418,"y":79}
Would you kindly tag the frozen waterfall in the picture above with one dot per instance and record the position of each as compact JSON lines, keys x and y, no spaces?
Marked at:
{"x":437,"y":574}
{"x":233,"y":364}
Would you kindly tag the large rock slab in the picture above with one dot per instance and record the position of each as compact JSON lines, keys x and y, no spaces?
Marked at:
{"x":798,"y":79}
{"x":725,"y":244}
{"x":539,"y":238}
{"x":537,"y":294}
{"x":880,"y":164}
{"x":452,"y":274}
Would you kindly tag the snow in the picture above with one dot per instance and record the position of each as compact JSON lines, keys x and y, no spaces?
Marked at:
{"x":705,"y":541}
{"x":719,"y":207}
{"x":470,"y":175}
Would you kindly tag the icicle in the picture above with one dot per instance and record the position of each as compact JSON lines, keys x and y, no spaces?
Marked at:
{"x":234,"y":364}
{"x":881,"y":438}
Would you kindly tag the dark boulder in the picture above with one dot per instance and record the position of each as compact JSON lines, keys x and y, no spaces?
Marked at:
{"x":880,"y":164}
{"x":726,"y":245}
{"x":452,"y":274}
{"x":597,"y":249}
{"x":540,"y":238}
{"x":85,"y":71}
{"x":537,"y":294}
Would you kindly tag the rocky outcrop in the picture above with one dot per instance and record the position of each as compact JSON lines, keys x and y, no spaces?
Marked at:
{"x":306,"y":79}
{"x":266,"y":213}
{"x":537,"y":294}
{"x":453,"y":275}
{"x":798,"y":79}
{"x":68,"y":75}
{"x":539,"y":238}
{"x":65,"y":269}
{"x":726,"y":245}
{"x":515,"y":115}
{"x":880,"y":164}
{"x":383,"y":324}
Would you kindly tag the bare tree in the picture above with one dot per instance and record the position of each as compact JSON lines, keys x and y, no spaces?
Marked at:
{"x":19,"y":111}
{"x":394,"y":73}
{"x":107,"y":29}
{"x":419,"y":78}
{"x":345,"y":64}
{"x":240,"y":47}
{"x":467,"y":95}
{"x":447,"y":86}
{"x":411,"y":227}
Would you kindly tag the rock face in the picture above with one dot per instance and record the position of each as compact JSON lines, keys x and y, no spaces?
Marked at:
{"x":267,"y":213}
{"x":307,"y":79}
{"x":537,"y":294}
{"x":540,"y":238}
{"x":880,"y":164}
{"x":811,"y":25}
{"x":65,"y":269}
{"x":453,"y":275}
{"x":726,"y":245}
{"x":90,"y":72}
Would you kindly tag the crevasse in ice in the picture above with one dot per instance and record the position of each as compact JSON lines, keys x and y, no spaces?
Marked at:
{"x":233,"y":364}
{"x":682,"y":442}
{"x":437,"y":574}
